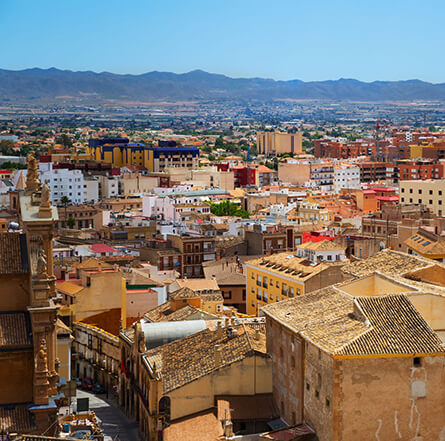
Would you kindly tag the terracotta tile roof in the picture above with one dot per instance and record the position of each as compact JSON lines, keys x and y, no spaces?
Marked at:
{"x":198,"y":284}
{"x":386,"y":261}
{"x":15,"y":329}
{"x":92,"y":263}
{"x":323,"y":245}
{"x":70,"y":288}
{"x":14,"y":254}
{"x":396,"y":328}
{"x":185,"y":360}
{"x":426,"y":245}
{"x":16,"y":418}
{"x":164,"y":313}
{"x":343,"y":325}
{"x":289,"y":265}
{"x":184,"y":293}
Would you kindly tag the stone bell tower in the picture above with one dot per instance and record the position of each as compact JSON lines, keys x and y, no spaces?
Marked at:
{"x":37,"y":217}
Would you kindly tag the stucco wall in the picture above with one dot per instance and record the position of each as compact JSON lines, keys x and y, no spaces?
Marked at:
{"x":319,"y":391}
{"x":382,"y":400}
{"x":251,"y":376}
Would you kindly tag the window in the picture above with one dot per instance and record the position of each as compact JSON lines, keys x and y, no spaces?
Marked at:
{"x":292,"y":362}
{"x":307,"y":386}
{"x":227,"y":294}
{"x":417,"y":362}
{"x":328,"y":403}
{"x":317,"y":394}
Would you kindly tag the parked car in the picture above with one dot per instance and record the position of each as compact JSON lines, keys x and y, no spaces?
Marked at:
{"x":87,"y":383}
{"x":98,"y":389}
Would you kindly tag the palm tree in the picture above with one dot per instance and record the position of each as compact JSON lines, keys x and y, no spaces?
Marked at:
{"x":65,"y":200}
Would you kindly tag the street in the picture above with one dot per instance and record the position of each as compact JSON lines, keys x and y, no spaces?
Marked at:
{"x":115,"y":424}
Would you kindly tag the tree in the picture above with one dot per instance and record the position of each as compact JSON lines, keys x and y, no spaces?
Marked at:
{"x":6,"y":147}
{"x":228,"y":208}
{"x":65,"y":140}
{"x":65,"y":201}
{"x":8,"y":165}
{"x":70,"y":222}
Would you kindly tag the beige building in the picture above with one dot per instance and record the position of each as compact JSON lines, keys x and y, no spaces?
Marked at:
{"x":133,"y":183}
{"x":98,"y":289}
{"x":429,"y":193}
{"x":214,"y":365}
{"x":97,"y":355}
{"x":278,"y":143}
{"x":317,"y":173}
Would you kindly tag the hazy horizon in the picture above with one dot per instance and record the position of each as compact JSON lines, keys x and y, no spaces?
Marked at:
{"x":287,"y":40}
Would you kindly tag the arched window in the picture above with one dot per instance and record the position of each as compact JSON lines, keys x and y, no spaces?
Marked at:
{"x":164,"y":409}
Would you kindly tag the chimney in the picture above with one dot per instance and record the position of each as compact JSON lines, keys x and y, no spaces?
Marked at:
{"x":217,"y":355}
{"x":219,"y":330}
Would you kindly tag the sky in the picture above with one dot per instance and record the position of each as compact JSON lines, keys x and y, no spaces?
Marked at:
{"x":279,"y":39}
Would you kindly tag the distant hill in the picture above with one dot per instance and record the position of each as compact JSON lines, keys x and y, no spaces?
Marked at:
{"x":50,"y":84}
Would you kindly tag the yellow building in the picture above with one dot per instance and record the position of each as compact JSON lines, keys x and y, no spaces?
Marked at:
{"x":282,"y":276}
{"x":416,"y":150}
{"x":278,"y":143}
{"x":140,"y":155}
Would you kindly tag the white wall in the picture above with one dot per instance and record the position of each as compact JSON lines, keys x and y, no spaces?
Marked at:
{"x":63,"y":182}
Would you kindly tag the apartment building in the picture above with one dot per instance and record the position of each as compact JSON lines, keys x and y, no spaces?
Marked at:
{"x":420,"y":170}
{"x":91,"y":189}
{"x":194,"y":251}
{"x":376,"y":171}
{"x":317,"y":174}
{"x":63,"y":183}
{"x":121,"y":153}
{"x":282,"y":276}
{"x":278,"y":143}
{"x":270,"y":239}
{"x":346,"y":176}
{"x":83,"y":215}
{"x":428,"y":193}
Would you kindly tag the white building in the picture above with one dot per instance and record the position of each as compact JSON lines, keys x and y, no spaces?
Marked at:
{"x":346,"y":176}
{"x":323,"y":251}
{"x":62,"y":182}
{"x":108,"y":187}
{"x":91,"y":189}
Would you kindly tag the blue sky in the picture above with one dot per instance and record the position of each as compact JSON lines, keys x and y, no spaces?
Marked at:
{"x":280,"y":39}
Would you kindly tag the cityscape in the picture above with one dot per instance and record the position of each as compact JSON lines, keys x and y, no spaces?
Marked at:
{"x":219,"y":256}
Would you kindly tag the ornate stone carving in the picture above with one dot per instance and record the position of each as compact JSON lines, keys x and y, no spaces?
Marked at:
{"x":32,"y":177}
{"x":42,"y":359}
{"x":42,"y":266}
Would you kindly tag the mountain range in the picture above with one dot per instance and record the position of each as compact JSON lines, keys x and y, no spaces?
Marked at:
{"x":51,"y":84}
